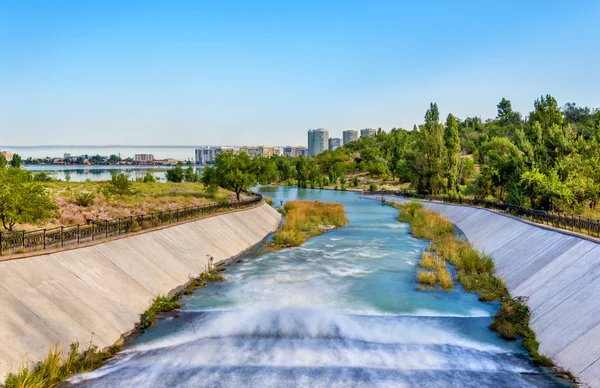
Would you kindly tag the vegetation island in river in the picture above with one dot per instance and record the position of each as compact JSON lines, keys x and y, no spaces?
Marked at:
{"x":306,"y":219}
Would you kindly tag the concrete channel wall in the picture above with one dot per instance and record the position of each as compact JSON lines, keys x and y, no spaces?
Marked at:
{"x":96,"y":293}
{"x":559,"y":273}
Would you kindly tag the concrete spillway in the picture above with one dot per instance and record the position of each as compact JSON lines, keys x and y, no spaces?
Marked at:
{"x":559,"y":273}
{"x":95,"y":294}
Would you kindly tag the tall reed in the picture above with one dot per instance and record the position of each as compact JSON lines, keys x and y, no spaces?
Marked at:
{"x":306,"y":219}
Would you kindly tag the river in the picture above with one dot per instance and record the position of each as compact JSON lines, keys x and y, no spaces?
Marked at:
{"x":342,"y":310}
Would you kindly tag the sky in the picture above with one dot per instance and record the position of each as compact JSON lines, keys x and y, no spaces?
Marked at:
{"x":264,"y":72}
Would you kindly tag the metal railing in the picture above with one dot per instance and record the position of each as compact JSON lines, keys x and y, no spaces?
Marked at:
{"x":562,"y":221}
{"x":35,"y":240}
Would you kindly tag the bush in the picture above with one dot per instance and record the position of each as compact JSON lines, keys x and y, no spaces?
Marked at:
{"x":149,"y":178}
{"x":120,"y":184}
{"x":42,"y":177}
{"x":85,"y":199}
{"x":373,"y":187}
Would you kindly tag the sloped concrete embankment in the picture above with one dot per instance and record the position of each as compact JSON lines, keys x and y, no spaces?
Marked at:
{"x":96,"y":293}
{"x":559,"y":273}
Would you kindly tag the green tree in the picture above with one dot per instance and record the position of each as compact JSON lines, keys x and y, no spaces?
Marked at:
{"x":16,"y":161}
{"x":3,"y":161}
{"x":431,"y":154}
{"x":503,"y":163}
{"x":209,"y":180}
{"x":175,"y":174}
{"x":302,"y":171}
{"x":546,"y":112}
{"x":120,"y":184}
{"x":190,"y":175}
{"x":265,"y":169}
{"x":235,"y":172}
{"x":23,"y":200}
{"x":452,"y":143}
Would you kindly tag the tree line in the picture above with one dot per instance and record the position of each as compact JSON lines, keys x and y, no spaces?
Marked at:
{"x":548,"y":159}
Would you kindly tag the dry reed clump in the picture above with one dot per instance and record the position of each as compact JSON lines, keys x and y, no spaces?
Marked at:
{"x":440,"y":273}
{"x":306,"y":219}
{"x":431,"y":262}
{"x":443,"y":278}
{"x":426,"y":277}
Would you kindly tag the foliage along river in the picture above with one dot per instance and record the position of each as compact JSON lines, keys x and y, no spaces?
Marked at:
{"x":340,"y":311}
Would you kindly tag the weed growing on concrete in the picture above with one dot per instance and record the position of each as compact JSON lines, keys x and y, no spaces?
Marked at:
{"x":160,"y":304}
{"x":57,"y":367}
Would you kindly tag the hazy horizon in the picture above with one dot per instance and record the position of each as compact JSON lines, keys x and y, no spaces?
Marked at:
{"x":264,"y":73}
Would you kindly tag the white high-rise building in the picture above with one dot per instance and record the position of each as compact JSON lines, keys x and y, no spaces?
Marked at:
{"x":367,"y":132}
{"x":206,"y":155}
{"x":318,"y":141}
{"x":349,"y":136}
{"x":334,"y":143}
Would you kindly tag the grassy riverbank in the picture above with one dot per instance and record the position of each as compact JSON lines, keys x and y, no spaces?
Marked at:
{"x":58,"y":366}
{"x":474,"y":271}
{"x":79,"y":202}
{"x":306,"y":219}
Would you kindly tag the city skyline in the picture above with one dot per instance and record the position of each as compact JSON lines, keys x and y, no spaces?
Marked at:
{"x":204,"y":73}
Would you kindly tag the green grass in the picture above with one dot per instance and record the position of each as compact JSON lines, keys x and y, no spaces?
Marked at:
{"x":474,"y":270}
{"x":160,"y":304}
{"x":306,"y":219}
{"x":57,"y":367}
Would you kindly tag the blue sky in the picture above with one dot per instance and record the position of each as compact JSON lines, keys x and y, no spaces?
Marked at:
{"x":241,"y":72}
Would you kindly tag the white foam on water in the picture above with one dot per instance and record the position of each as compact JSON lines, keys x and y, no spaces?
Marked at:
{"x":310,"y":323}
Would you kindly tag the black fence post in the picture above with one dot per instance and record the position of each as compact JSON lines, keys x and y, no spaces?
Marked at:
{"x":62,"y":240}
{"x":44,"y":238}
{"x":23,"y":240}
{"x":77,"y":234}
{"x":106,"y":228}
{"x":0,"y":243}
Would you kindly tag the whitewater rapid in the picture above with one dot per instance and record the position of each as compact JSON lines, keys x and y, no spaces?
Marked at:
{"x":340,"y":311}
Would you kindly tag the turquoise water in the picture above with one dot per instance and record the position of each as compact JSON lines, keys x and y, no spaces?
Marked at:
{"x":340,"y":311}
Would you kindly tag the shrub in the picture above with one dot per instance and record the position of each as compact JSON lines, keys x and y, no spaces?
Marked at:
{"x":42,"y":177}
{"x":120,"y":184}
{"x":85,"y":199}
{"x":149,"y":178}
{"x":372,"y":187}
